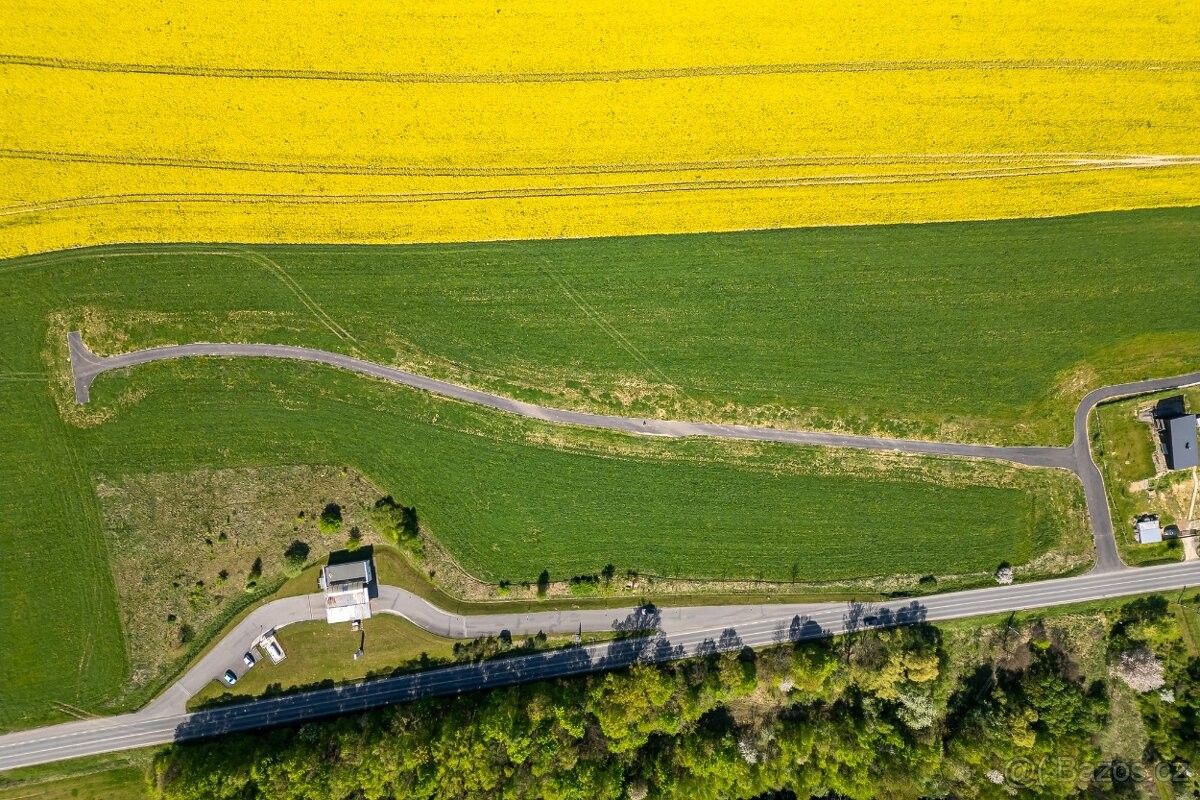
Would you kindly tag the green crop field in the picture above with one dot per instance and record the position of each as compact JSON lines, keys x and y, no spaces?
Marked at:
{"x":508,"y":497}
{"x":508,"y":505}
{"x":976,"y":331}
{"x":504,"y":502}
{"x":970,"y":329}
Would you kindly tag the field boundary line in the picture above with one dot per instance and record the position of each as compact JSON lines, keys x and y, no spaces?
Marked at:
{"x":282,"y":274}
{"x":414,"y":170}
{"x":600,"y":75}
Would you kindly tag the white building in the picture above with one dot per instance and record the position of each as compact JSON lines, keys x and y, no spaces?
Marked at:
{"x":1148,"y":531}
{"x":347,"y":591}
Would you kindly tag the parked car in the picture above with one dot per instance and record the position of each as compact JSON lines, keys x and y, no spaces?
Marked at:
{"x":230,"y":677}
{"x":248,"y":660}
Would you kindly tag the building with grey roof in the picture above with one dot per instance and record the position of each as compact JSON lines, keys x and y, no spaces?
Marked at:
{"x":1148,"y":530}
{"x":1179,"y":442}
{"x":347,"y":591}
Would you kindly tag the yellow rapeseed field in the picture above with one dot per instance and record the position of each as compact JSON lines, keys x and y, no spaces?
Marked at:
{"x":439,"y":121}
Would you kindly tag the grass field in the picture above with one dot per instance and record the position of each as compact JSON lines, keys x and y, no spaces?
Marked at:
{"x":318,"y":652}
{"x":116,"y":776}
{"x":974,"y":331}
{"x":508,"y":498}
{"x":322,"y":654}
{"x":453,"y":122}
{"x":496,"y":490}
{"x":495,"y":494}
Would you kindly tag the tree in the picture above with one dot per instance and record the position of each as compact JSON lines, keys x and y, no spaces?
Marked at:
{"x":331,"y":519}
{"x":396,"y":522}
{"x":1140,"y":669}
{"x":543,"y":583}
{"x":294,"y":558}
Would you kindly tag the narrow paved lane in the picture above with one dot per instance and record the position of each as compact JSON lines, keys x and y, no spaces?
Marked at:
{"x":1108,"y":559}
{"x":86,"y":365}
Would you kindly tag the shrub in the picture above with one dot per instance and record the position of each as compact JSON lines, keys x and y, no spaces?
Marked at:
{"x":294,"y":558}
{"x":331,"y":519}
{"x":186,"y":633}
{"x":543,"y":583}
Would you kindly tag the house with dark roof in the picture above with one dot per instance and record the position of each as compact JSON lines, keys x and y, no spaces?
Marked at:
{"x":1179,"y":442}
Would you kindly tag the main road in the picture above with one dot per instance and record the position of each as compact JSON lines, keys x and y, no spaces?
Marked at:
{"x":648,"y":634}
{"x":667,"y":634}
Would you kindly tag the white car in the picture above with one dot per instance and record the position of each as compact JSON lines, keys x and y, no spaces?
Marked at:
{"x":229,"y":677}
{"x":248,"y":660}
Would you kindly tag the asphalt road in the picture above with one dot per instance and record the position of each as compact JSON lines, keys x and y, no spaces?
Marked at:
{"x":86,"y":365}
{"x":677,"y":633}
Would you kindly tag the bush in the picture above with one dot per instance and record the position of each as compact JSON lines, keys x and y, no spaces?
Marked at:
{"x":395,"y":522}
{"x":543,"y":583}
{"x":186,"y":633}
{"x":331,"y":519}
{"x":294,"y":558}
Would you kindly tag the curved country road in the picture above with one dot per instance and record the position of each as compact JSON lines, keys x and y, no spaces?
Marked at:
{"x":86,"y":365}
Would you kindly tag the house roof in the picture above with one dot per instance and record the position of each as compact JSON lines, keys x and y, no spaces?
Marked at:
{"x":350,"y":571}
{"x":1181,"y":442}
{"x":1148,"y":531}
